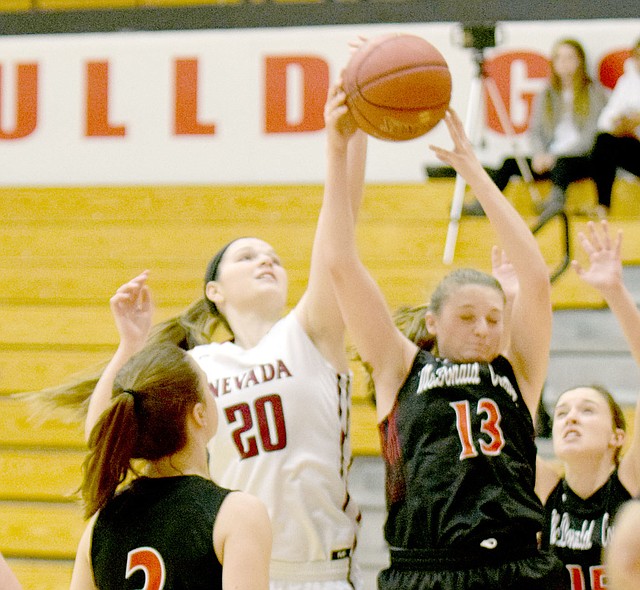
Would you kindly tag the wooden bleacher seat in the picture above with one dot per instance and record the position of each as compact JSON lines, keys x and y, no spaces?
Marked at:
{"x":85,"y":4}
{"x":189,"y":2}
{"x":41,"y":475}
{"x":40,"y":518}
{"x":15,"y":5}
{"x":20,"y":429}
{"x":42,"y":574}
{"x":40,"y":530}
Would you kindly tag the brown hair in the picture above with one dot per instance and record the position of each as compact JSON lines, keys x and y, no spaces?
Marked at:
{"x":581,"y":85}
{"x":152,"y":396}
{"x":617,"y":415}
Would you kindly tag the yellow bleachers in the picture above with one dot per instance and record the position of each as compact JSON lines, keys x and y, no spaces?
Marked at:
{"x":40,"y":518}
{"x":34,"y":530}
{"x":192,"y":2}
{"x":84,"y":4}
{"x":104,"y":4}
{"x":63,"y":251}
{"x":15,"y":5}
{"x":50,"y":475}
{"x":42,"y":574}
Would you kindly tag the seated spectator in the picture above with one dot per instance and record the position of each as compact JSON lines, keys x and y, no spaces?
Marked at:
{"x":563,"y":128}
{"x":618,"y":146}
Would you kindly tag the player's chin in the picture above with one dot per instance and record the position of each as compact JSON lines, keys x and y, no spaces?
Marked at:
{"x":480,"y":355}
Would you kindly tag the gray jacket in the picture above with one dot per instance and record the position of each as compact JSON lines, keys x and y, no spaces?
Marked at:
{"x":541,"y":135}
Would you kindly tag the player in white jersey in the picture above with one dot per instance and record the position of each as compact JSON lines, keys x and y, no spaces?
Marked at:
{"x":284,"y":436}
{"x":283,"y":389}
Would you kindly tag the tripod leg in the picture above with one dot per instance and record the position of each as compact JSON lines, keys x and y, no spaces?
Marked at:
{"x":475,"y":97}
{"x":505,"y":122}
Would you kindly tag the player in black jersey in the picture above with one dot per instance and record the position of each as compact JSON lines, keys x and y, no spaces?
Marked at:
{"x":455,"y":414}
{"x":171,"y":527}
{"x":588,"y":435}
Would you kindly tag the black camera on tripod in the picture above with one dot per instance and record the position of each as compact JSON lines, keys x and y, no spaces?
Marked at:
{"x":479,"y":36}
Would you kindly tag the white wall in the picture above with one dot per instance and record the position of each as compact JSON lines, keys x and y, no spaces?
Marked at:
{"x":45,"y":138}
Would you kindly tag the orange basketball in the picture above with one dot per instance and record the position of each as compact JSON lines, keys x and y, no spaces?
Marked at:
{"x":398,"y":86}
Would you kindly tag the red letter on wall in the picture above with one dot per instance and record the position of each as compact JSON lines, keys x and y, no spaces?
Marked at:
{"x":315,"y":83}
{"x":186,"y":100}
{"x":517,"y":75}
{"x":98,"y":102}
{"x":612,"y":67}
{"x":26,"y":102}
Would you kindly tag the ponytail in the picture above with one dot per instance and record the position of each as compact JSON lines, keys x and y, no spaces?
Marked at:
{"x":111,"y":448}
{"x":152,"y":396}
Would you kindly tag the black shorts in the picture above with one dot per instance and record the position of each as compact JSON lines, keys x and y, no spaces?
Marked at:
{"x":532,"y":570}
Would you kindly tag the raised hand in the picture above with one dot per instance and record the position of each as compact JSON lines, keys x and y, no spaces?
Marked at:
{"x":132,"y":309}
{"x":503,"y":271}
{"x":462,"y":158}
{"x":605,"y":262}
{"x":339,"y":122}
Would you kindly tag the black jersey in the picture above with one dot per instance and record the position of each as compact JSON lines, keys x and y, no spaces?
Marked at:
{"x":578,"y":530}
{"x":460,"y":457}
{"x":158,"y":533}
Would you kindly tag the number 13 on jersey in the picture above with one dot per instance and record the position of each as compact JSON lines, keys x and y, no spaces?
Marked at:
{"x":489,"y":426}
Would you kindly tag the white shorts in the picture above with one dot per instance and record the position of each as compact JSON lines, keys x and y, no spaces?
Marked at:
{"x":354,"y":574}
{"x":331,"y":585}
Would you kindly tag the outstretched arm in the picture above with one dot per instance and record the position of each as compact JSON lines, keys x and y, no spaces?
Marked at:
{"x":318,"y":309}
{"x":369,"y":322}
{"x":132,"y":310}
{"x":605,"y":274}
{"x":530,"y":331}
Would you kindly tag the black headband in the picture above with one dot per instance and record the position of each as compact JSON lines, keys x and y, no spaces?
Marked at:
{"x":212,"y":274}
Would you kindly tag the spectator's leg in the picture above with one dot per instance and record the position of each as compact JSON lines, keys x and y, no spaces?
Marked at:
{"x":508,"y":169}
{"x":604,"y":162}
{"x":568,"y":169}
{"x":629,"y":154}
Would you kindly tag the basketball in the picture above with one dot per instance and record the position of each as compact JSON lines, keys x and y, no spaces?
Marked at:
{"x":398,"y":86}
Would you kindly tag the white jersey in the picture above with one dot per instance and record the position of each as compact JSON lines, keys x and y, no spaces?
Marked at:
{"x":283,"y":435}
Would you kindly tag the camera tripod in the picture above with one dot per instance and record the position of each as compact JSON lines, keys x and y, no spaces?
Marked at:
{"x":480,"y":82}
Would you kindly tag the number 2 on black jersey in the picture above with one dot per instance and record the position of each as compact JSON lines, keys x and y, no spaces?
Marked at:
{"x":151,"y":563}
{"x":489,"y":426}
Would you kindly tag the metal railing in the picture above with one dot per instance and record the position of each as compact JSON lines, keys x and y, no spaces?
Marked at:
{"x":564,"y":239}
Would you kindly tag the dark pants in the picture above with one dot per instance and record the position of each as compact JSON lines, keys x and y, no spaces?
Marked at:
{"x":566,"y":170}
{"x":609,"y":153}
